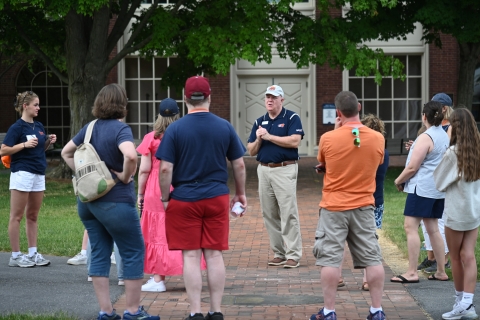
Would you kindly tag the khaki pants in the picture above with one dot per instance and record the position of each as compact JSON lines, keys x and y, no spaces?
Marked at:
{"x":277,"y":189}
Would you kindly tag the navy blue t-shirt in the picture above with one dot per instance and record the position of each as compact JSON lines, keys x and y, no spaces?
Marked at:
{"x":107,"y":135}
{"x":380,"y":178}
{"x":285,"y":124}
{"x":31,"y":160}
{"x":199,"y":145}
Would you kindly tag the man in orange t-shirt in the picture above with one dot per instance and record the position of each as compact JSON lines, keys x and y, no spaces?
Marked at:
{"x":350,"y":156}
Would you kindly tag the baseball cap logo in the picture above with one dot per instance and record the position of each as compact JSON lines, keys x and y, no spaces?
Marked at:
{"x":272,"y":88}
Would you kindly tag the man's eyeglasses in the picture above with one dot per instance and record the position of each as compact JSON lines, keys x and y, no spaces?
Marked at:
{"x":356,"y":140}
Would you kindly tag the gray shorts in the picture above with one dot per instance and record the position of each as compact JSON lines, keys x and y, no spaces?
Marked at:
{"x":357,"y":227}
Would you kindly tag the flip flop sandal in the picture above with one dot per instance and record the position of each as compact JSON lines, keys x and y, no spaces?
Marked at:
{"x":365,"y":286}
{"x":341,"y":283}
{"x":404,"y":280}
{"x":432,"y":277}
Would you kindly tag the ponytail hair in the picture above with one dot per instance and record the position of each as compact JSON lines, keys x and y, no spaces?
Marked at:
{"x":433,"y":113}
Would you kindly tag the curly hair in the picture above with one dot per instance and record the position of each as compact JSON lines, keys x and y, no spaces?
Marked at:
{"x":466,"y":139}
{"x":23,"y":98}
{"x":162,"y":123}
{"x":111,"y":102}
{"x":374,"y":122}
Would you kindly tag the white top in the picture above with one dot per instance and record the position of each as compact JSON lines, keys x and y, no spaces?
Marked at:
{"x":462,"y":199}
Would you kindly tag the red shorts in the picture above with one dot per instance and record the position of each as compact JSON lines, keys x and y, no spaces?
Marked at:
{"x":197,"y":225}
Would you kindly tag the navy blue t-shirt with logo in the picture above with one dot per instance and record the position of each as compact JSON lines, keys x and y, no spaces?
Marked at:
{"x":31,"y":160}
{"x":285,"y":124}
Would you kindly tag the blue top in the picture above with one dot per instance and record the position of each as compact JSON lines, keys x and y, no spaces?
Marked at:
{"x":285,"y":124}
{"x":31,"y":160}
{"x":380,"y":179}
{"x":107,"y":135}
{"x":199,"y":145}
{"x":422,"y":182}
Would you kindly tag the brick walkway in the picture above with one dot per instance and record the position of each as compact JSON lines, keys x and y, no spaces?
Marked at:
{"x":254,"y":290}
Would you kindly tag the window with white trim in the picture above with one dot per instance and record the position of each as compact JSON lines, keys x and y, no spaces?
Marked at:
{"x":398,"y":103}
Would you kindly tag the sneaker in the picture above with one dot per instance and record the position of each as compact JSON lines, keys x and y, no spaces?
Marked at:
{"x":39,"y":260}
{"x":152,"y":286}
{"x":140,"y":315}
{"x":433,"y":267}
{"x":320,"y":316}
{"x":214,"y":316}
{"x":447,"y":265}
{"x":121,"y":282}
{"x":277,"y":262}
{"x":291,"y":264}
{"x":459,"y":312}
{"x":78,"y":260}
{"x":112,"y":258}
{"x":21,"y":261}
{"x":196,"y":316}
{"x":379,"y":315}
{"x":89,"y":279}
{"x":425,"y":264}
{"x":106,"y":316}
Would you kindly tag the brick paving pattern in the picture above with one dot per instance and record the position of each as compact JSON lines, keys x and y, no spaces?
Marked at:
{"x":254,"y":290}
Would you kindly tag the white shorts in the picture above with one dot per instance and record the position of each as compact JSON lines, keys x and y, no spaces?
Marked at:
{"x":27,"y":182}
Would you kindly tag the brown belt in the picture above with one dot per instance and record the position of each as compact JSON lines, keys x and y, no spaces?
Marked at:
{"x":280,"y":164}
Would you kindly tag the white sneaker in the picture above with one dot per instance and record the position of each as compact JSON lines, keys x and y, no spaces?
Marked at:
{"x":39,"y":260}
{"x":112,"y":258}
{"x":89,"y":279}
{"x":78,"y":260}
{"x":21,"y":261}
{"x":460,"y":312}
{"x":121,"y":282}
{"x":152,"y":286}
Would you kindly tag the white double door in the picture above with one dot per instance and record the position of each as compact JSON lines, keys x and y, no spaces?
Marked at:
{"x":251,"y":102}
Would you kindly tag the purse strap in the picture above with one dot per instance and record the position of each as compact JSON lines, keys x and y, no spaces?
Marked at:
{"x":88,"y":134}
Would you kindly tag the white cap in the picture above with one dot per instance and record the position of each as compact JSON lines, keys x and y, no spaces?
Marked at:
{"x":275,"y":91}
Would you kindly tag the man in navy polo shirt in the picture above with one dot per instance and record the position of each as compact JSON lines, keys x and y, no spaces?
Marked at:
{"x":274,"y":140}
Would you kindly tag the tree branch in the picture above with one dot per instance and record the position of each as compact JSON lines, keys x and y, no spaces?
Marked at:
{"x":121,"y":23}
{"x":125,"y":51}
{"x":142,"y":24}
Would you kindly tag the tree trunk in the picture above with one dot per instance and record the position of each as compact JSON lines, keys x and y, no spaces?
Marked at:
{"x":469,"y":54}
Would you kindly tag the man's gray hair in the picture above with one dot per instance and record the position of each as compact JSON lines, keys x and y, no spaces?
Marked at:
{"x":347,"y":103}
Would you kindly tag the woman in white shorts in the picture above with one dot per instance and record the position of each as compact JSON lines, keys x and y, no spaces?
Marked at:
{"x":26,"y":142}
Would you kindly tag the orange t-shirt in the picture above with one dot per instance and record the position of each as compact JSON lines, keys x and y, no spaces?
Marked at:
{"x":349,"y":181}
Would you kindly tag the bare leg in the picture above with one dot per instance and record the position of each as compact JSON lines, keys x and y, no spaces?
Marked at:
{"x":192,"y":277}
{"x":18,"y":201}
{"x":101,"y":286}
{"x":33,"y":207}
{"x":413,"y":245}
{"x":437,"y":246}
{"x":216,"y":277}
{"x":85,"y":240}
{"x":375,"y":279}
{"x":133,"y":290}
{"x":158,"y":277}
{"x":329,"y":278}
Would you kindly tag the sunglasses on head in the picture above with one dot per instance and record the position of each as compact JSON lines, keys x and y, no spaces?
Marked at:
{"x":356,"y":140}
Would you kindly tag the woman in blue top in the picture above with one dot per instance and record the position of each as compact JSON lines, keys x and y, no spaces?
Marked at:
{"x":114,"y":216}
{"x":26,"y":142}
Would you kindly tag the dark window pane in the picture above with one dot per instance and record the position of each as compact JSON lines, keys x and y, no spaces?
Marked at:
{"x":160,"y":92}
{"x":40,"y":79}
{"x":182,"y":108}
{"x":42,"y":116}
{"x":385,"y":90}
{"x":399,"y":110}
{"x":131,"y":86}
{"x":66,"y":136}
{"x":160,"y":67}
{"x":55,"y":117}
{"x":25,"y":77}
{"x":399,"y":88}
{"x":146,"y":90}
{"x":132,"y":112}
{"x":351,"y":72}
{"x":403,"y":60}
{"x":66,"y":117}
{"x":176,"y":94}
{"x":147,"y":112}
{"x":413,"y":129}
{"x":54,"y":97}
{"x":131,"y":67}
{"x":414,"y":87}
{"x":355,"y":85}
{"x":135,"y":131}
{"x":399,"y":130}
{"x":370,"y":107}
{"x":388,"y":130}
{"x":52,"y":79}
{"x":370,"y":88}
{"x":144,"y":129}
{"x":414,"y":65}
{"x":66,"y":102}
{"x":414,"y":109}
{"x":385,"y":110}
{"x":146,"y":70}
{"x":42,"y":95}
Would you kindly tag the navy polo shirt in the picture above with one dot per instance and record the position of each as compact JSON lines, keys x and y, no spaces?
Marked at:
{"x":285,"y":124}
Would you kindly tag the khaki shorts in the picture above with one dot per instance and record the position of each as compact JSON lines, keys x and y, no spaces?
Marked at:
{"x":357,"y":227}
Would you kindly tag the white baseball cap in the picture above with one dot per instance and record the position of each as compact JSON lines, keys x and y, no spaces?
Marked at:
{"x":275,"y":91}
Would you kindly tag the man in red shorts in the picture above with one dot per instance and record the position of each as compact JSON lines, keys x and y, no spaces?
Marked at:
{"x":350,"y":154}
{"x":193,"y":152}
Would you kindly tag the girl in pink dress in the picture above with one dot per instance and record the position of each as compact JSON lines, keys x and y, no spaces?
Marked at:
{"x":159,"y":261}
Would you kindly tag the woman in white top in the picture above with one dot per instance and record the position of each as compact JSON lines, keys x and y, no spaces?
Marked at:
{"x":458,"y":175}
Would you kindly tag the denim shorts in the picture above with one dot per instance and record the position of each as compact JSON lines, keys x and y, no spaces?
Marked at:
{"x":108,"y":222}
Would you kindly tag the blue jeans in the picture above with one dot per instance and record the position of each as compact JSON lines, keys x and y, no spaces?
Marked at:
{"x":109,"y":222}
{"x":118,"y":259}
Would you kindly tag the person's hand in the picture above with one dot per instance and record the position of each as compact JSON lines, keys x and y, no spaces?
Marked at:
{"x":32,"y":143}
{"x":120,"y":176}
{"x":140,"y":198}
{"x":408,"y":144}
{"x":53,"y":138}
{"x":243,"y":200}
{"x":399,"y":186}
{"x":338,"y":122}
{"x":261,"y":132}
{"x":320,"y":168}
{"x":165,"y":205}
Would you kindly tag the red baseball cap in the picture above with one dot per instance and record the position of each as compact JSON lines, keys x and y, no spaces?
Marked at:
{"x":197,"y":88}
